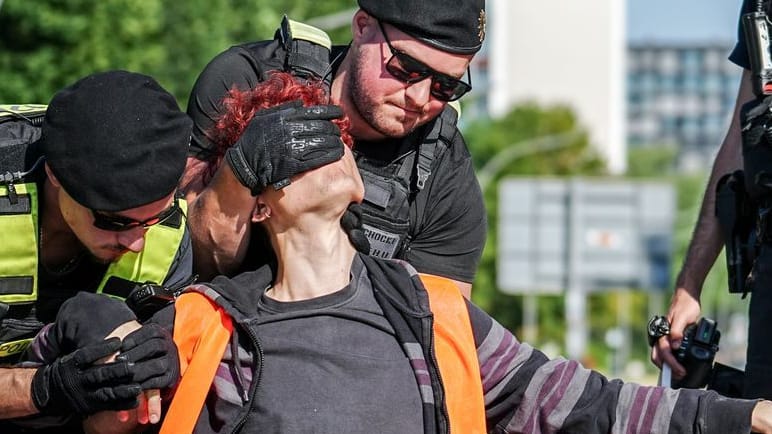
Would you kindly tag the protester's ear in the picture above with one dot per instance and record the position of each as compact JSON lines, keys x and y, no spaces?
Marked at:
{"x":260,"y":212}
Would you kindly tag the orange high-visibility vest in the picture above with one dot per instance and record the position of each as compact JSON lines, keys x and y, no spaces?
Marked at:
{"x":202,"y":330}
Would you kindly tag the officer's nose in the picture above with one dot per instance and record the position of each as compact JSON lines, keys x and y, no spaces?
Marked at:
{"x":133,"y":240}
{"x":418,"y":93}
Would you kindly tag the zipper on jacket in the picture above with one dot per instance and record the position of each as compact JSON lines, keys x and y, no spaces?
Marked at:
{"x":255,"y":381}
{"x":442,"y":425}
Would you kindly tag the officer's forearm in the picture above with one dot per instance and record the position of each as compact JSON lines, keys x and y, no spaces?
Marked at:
{"x":220,"y":221}
{"x":707,"y":240}
{"x":16,"y":400}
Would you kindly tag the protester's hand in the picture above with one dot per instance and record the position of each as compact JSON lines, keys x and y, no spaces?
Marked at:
{"x":148,"y":410}
{"x":153,"y":356}
{"x":684,"y":310}
{"x":761,"y":418}
{"x":284,"y":141}
{"x":74,"y":383}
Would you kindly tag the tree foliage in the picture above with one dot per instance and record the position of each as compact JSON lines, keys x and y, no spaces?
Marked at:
{"x":572,"y":154}
{"x":48,"y":44}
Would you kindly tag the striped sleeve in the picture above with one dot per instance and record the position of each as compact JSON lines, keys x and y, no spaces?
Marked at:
{"x":525,"y":392}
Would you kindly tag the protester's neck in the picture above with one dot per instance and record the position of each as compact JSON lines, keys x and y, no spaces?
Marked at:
{"x":311,"y":263}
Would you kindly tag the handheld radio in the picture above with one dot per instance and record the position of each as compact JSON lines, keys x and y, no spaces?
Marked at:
{"x":756,"y":28}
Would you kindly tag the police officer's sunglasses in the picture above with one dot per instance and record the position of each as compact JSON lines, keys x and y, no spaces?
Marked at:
{"x":409,"y":70}
{"x":116,"y":223}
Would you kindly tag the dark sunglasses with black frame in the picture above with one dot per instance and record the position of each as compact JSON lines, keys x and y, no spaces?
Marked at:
{"x":116,"y":223}
{"x":409,"y":70}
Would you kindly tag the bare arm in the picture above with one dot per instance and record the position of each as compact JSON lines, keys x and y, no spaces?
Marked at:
{"x":220,"y":222}
{"x":16,"y":384}
{"x":707,"y":240}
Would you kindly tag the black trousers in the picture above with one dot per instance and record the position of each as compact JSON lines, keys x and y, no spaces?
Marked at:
{"x":758,"y":368}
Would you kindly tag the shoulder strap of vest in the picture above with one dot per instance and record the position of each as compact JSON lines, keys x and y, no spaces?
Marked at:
{"x":19,"y":255}
{"x":33,"y":113}
{"x":435,"y":143}
{"x":152,"y":264}
{"x":201,"y":332}
{"x":307,"y":48}
{"x":456,"y":355}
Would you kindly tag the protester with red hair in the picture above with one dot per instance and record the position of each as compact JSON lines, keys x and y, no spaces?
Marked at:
{"x":239,"y":106}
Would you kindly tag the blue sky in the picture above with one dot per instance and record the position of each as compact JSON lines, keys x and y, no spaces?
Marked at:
{"x":682,"y":20}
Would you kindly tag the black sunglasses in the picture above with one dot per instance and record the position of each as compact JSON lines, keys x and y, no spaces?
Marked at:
{"x":409,"y":70}
{"x":116,"y":223}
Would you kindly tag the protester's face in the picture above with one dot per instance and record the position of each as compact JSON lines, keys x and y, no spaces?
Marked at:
{"x":391,"y":107}
{"x":107,"y":245}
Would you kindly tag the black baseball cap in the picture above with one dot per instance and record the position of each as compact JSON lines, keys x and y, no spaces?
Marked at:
{"x":452,"y":26}
{"x":116,"y":140}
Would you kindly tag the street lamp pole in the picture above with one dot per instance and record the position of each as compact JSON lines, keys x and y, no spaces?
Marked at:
{"x":498,"y":163}
{"x":522,"y":149}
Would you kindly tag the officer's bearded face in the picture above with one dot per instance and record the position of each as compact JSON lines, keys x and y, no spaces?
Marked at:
{"x":390,"y":107}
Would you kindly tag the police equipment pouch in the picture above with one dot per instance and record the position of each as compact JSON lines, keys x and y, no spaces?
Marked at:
{"x":696,"y":353}
{"x":756,"y":29}
{"x":148,"y":298}
{"x":726,"y":380}
{"x":736,"y":216}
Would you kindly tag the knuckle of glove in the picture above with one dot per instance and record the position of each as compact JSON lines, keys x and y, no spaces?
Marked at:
{"x":109,"y":373}
{"x":326,"y":111}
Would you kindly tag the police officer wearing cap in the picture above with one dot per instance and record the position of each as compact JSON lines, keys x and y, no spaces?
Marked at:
{"x":406,"y":62}
{"x":103,"y":213}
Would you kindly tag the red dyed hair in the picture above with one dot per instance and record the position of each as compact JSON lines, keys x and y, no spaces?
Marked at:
{"x":240,"y":107}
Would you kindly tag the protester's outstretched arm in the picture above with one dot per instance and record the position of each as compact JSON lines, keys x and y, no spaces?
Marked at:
{"x":707,"y":241}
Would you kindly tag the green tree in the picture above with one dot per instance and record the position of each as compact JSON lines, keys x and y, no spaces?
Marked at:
{"x":571,"y":154}
{"x":47,"y":44}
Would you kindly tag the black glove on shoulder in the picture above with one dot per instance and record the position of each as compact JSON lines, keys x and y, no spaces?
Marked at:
{"x":74,"y":383}
{"x":86,"y":319}
{"x":153,"y":357}
{"x":285,"y":141}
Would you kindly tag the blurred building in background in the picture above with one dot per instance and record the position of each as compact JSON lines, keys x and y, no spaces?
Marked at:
{"x":572,"y":55}
{"x":680,"y":95}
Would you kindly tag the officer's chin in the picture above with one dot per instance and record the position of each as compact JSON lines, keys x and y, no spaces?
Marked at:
{"x":107,"y":255}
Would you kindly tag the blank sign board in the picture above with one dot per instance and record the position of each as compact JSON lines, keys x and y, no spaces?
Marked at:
{"x":595,"y":234}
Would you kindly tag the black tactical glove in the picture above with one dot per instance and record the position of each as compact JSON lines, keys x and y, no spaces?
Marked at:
{"x":285,"y":141}
{"x":73,"y":383}
{"x":153,"y":357}
{"x":351,"y":221}
{"x":85,"y":320}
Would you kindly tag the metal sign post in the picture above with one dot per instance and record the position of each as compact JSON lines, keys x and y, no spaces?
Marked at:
{"x":582,"y":235}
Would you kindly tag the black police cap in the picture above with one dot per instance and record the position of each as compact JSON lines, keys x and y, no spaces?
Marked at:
{"x":455,"y":26}
{"x":116,"y":140}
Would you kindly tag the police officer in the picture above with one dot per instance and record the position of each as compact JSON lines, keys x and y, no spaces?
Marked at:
{"x":99,"y":213}
{"x":406,"y":62}
{"x":707,"y":241}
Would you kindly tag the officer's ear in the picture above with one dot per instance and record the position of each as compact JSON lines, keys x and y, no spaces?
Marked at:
{"x":52,"y":177}
{"x":364,"y":27}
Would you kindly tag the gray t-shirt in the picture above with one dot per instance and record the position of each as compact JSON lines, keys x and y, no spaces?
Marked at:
{"x":335,"y":361}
